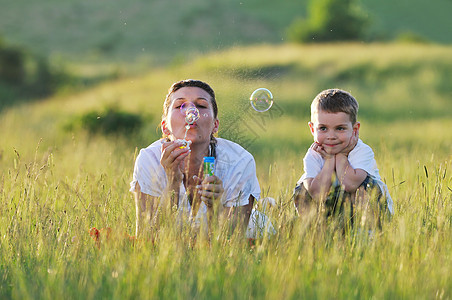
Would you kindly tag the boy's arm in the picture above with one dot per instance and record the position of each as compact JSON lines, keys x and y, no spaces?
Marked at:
{"x":349,"y":178}
{"x":319,"y":186}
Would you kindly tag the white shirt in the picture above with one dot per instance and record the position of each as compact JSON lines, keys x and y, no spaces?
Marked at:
{"x":233,"y":165}
{"x":361,"y":157}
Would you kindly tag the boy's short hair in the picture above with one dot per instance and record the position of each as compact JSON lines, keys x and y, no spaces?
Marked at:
{"x":334,"y":101}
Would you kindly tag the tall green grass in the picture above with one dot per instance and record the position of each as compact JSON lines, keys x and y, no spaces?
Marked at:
{"x":56,"y":185}
{"x":47,"y":252}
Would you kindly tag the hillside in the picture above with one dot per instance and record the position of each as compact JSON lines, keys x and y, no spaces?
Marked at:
{"x":154,"y":32}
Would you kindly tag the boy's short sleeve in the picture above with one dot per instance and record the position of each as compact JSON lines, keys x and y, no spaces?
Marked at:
{"x":312,"y":164}
{"x":362,"y":157}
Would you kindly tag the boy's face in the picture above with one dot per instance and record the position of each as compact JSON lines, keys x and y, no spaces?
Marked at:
{"x":333,"y":131}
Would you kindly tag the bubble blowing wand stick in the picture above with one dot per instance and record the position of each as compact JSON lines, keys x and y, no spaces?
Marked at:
{"x":191,"y":116}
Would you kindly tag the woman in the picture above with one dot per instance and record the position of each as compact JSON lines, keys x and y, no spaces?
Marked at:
{"x":168,"y":172}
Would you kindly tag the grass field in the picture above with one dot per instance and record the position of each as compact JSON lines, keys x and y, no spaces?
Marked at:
{"x":57,"y":184}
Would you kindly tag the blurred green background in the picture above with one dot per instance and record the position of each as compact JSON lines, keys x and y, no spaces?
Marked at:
{"x":144,"y":34}
{"x":159,"y":31}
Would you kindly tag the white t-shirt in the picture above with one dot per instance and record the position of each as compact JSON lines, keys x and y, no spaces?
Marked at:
{"x":233,"y":165}
{"x":361,"y":157}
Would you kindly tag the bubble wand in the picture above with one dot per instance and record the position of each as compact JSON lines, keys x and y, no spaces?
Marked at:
{"x":191,"y":116}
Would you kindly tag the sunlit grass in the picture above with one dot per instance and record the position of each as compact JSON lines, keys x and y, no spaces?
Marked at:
{"x":46,"y":248}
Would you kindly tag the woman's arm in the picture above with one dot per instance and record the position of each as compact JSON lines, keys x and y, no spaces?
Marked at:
{"x":172,"y":160}
{"x":146,"y":208}
{"x":245,"y":212}
{"x":211,"y":190}
{"x":239,"y":216}
{"x":242,"y":218}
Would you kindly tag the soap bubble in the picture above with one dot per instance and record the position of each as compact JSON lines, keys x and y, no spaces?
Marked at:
{"x":191,"y":113}
{"x":261,"y":100}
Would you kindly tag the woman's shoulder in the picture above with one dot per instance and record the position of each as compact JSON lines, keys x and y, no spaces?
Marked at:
{"x":154,"y":149}
{"x":231,"y":152}
{"x":227,"y":145}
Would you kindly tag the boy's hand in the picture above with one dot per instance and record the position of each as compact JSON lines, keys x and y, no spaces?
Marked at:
{"x":352,"y":143}
{"x":319,"y":149}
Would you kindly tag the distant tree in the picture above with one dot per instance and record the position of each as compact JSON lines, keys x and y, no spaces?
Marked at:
{"x":111,"y":121}
{"x":12,"y":65}
{"x":23,"y":73}
{"x":329,"y":20}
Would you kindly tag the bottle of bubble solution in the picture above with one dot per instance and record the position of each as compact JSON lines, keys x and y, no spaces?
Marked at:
{"x":208,"y":166}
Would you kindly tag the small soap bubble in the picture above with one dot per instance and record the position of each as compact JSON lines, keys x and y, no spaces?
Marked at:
{"x":261,"y":100}
{"x":191,"y":112}
{"x":191,"y":115}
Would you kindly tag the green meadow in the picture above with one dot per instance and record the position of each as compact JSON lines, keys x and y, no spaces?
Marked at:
{"x":60,"y":176}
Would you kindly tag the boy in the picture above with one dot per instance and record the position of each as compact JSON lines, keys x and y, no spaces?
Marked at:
{"x":338,"y":166}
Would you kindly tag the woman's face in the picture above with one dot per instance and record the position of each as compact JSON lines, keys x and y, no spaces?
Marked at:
{"x":174,"y":123}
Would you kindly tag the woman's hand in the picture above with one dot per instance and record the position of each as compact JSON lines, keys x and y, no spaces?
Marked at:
{"x":210,"y":189}
{"x":172,"y":160}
